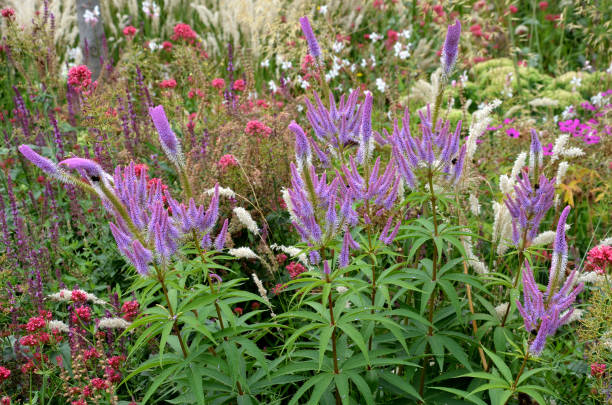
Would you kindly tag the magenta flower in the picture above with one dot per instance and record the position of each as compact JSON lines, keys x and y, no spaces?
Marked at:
{"x":513,"y":133}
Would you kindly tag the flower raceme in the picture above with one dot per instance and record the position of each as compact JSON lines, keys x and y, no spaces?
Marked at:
{"x":544,"y":312}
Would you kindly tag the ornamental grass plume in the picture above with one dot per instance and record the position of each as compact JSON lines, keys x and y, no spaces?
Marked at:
{"x":546,"y":312}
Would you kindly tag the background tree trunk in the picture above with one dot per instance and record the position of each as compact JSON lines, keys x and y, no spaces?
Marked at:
{"x":91,"y":37}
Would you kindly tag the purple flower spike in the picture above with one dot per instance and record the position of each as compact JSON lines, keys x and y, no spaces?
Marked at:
{"x":220,"y":240}
{"x":168,"y":139}
{"x":142,"y":258}
{"x":91,"y":169}
{"x":365,"y":144}
{"x":313,"y":45}
{"x":559,"y":256}
{"x":536,"y":153}
{"x":451,"y":45}
{"x":43,"y":163}
{"x":542,"y":312}
{"x":303,"y":154}
{"x":216,"y":277}
{"x":326,"y":269}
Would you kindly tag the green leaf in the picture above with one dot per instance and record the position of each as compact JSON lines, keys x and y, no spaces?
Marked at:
{"x":501,"y":365}
{"x":401,"y":384}
{"x":363,"y":387}
{"x":196,"y":383}
{"x":324,"y":342}
{"x":356,"y":337}
{"x":532,"y":391}
{"x":462,"y":394}
{"x":342,"y":386}
{"x":320,"y":380}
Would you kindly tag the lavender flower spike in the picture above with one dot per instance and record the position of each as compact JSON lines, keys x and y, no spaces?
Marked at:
{"x":313,"y":45}
{"x":536,"y":153}
{"x":88,"y":167}
{"x":43,"y":163}
{"x":451,"y":45}
{"x":168,"y":139}
{"x":559,"y":256}
{"x":302,"y":146}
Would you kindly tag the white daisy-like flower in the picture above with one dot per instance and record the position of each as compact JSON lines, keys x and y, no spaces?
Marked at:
{"x":337,"y":47}
{"x":375,"y":37}
{"x":381,"y":85}
{"x":265,"y":63}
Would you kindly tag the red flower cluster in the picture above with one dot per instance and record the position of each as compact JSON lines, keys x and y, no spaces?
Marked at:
{"x":78,"y":296}
{"x":597,"y":369}
{"x":278,"y":288}
{"x":239,"y":85}
{"x":5,"y":373}
{"x":35,"y":323}
{"x":7,"y":12}
{"x":255,"y":127}
{"x":218,"y":83}
{"x":598,"y":258}
{"x":168,"y":84}
{"x":91,"y":354}
{"x":295,"y":269}
{"x":281,"y":257}
{"x":183,"y":31}
{"x":84,"y":313}
{"x":99,"y":383}
{"x":129,"y":31}
{"x":130,"y":309}
{"x":167,"y":46}
{"x":79,"y":77}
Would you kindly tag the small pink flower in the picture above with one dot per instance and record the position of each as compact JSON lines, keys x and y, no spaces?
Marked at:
{"x":35,"y":324}
{"x":167,"y":45}
{"x":295,"y":269}
{"x":84,"y":313}
{"x":227,"y":161}
{"x":513,"y":9}
{"x":99,"y":383}
{"x":512,"y":133}
{"x":281,"y":257}
{"x":129,"y":31}
{"x":543,"y":5}
{"x":79,"y":77}
{"x":547,"y":149}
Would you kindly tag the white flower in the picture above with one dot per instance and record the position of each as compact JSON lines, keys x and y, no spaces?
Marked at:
{"x":273,"y":87}
{"x":559,"y":146}
{"x":406,"y":34}
{"x":113,"y":323}
{"x":501,"y":309}
{"x":568,"y":112}
{"x":154,"y":46}
{"x":75,"y":54}
{"x":65,"y":295}
{"x":286,"y":65}
{"x":576,"y":81}
{"x":243,"y":253}
{"x":597,"y":99}
{"x":323,"y":10}
{"x":91,"y":16}
{"x":150,"y":8}
{"x":363,"y":63}
{"x":337,"y":46}
{"x":474,"y":205}
{"x":375,"y":37}
{"x":300,"y":108}
{"x":572,"y":152}
{"x":606,"y":242}
{"x":58,"y":326}
{"x":265,"y":63}
{"x":463,"y":77}
{"x":544,"y":238}
{"x":245,"y":218}
{"x":303,"y":83}
{"x":381,"y":85}
{"x":223,"y":192}
{"x":561,"y":172}
{"x":292,"y":251}
{"x":519,"y":163}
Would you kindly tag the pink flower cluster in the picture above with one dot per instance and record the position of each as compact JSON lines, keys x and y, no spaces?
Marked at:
{"x":129,"y":31}
{"x":79,"y":77}
{"x":598,"y":259}
{"x":5,"y":373}
{"x":255,"y":127}
{"x":168,"y":84}
{"x":227,"y":161}
{"x":184,"y":31}
{"x":597,"y":369}
{"x":218,"y":83}
{"x":295,"y":269}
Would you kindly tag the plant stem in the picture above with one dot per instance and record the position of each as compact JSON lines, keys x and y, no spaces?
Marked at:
{"x":434,"y":277}
{"x":162,"y":281}
{"x":521,"y":257}
{"x":330,"y":304}
{"x":516,"y":380}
